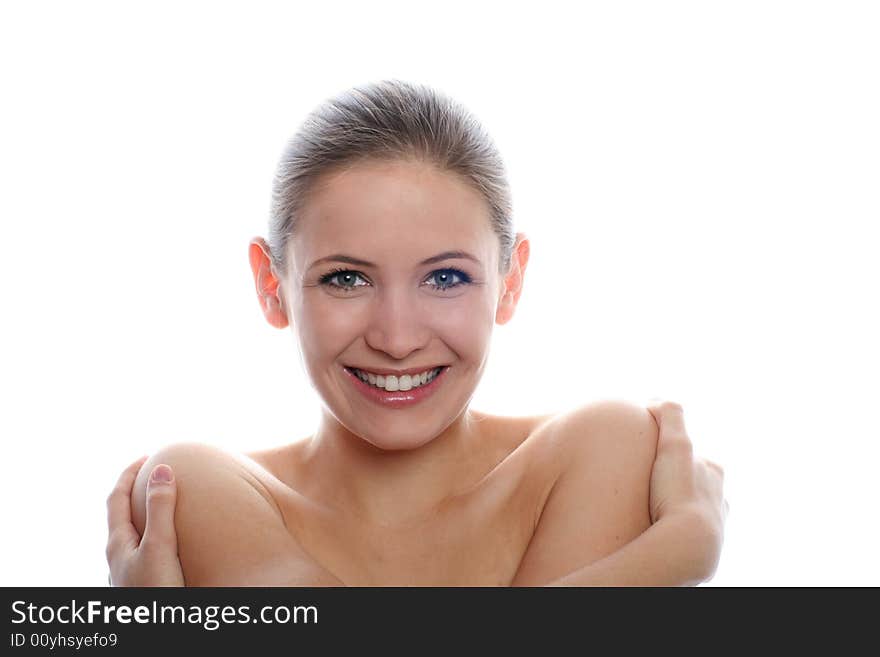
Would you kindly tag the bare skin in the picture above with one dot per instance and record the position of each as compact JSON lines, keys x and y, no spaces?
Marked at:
{"x":482,"y":535}
{"x":433,"y":494}
{"x":682,"y":546}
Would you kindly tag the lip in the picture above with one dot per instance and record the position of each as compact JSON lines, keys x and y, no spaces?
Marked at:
{"x":398,"y":398}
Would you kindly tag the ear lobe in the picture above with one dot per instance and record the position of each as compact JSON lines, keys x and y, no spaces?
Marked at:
{"x":268,"y":286}
{"x":274,"y":312}
{"x":506,"y":306}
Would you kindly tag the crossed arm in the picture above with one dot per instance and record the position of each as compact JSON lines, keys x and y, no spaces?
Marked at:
{"x":679,"y":544}
{"x":633,"y":506}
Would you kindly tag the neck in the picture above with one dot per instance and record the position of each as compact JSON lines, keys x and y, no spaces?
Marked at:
{"x":388,"y":487}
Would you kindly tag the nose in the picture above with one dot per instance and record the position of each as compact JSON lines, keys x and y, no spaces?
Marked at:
{"x":398,"y":324}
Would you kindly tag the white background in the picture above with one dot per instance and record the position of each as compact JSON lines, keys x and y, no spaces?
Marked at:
{"x":700,"y":182}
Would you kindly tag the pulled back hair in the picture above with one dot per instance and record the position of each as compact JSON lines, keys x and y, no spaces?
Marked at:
{"x":388,"y":120}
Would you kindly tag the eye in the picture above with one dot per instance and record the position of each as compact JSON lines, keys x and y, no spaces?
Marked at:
{"x":444,"y":278}
{"x":345,"y":279}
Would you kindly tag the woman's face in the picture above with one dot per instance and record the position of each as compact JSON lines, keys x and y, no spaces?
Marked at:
{"x":393,"y":309}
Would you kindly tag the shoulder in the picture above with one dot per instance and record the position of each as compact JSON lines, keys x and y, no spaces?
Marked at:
{"x":593,"y":433}
{"x":190,"y":462}
{"x":188,"y":459}
{"x":222,"y":505}
{"x":199,"y":469}
{"x":605,"y":429}
{"x":602,"y":454}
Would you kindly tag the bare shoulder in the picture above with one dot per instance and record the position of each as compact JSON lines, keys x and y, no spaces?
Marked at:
{"x":605,"y":429}
{"x":230,"y":530}
{"x":593,"y":433}
{"x":197,"y":467}
{"x":599,"y":456}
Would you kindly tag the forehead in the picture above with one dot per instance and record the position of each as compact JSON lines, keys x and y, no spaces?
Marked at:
{"x":397,"y":209}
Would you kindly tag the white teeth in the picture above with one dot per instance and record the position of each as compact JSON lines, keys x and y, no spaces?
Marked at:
{"x":392,"y":383}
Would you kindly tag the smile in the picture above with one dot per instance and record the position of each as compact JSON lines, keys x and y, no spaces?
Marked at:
{"x":392,"y":391}
{"x":392,"y":383}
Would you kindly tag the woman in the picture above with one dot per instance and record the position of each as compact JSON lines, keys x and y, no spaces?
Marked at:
{"x":391,"y":255}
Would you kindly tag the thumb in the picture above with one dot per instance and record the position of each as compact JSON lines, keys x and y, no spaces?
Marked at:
{"x":161,"y":501}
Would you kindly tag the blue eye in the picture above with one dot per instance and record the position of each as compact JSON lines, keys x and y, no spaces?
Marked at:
{"x":446,"y":276}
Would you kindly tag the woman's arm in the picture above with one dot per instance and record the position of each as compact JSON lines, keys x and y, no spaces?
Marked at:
{"x":600,"y":500}
{"x":602,"y":455}
{"x":674,"y":551}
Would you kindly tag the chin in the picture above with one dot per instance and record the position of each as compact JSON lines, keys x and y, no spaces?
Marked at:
{"x":394,"y":430}
{"x":392,"y":442}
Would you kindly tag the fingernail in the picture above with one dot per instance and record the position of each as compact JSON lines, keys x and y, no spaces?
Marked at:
{"x":162,"y":474}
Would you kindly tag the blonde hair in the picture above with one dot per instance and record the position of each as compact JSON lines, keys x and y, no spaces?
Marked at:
{"x":388,"y":120}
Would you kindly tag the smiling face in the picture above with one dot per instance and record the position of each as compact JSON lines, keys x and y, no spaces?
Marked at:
{"x":394,"y":268}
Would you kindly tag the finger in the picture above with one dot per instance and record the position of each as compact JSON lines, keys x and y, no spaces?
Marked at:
{"x":119,"y":501}
{"x":716,"y":467}
{"x":670,"y":420}
{"x":161,"y":501}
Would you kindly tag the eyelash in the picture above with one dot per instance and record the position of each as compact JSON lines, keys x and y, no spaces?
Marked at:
{"x":329,"y":276}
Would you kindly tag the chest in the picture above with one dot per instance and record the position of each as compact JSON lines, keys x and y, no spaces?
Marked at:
{"x":478,"y":539}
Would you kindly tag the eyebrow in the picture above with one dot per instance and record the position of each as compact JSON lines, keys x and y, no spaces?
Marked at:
{"x":341,"y":257}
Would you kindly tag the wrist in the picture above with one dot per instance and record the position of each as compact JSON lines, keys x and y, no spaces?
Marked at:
{"x":701,"y":539}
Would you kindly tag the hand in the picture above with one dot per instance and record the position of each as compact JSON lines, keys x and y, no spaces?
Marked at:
{"x":682,"y":485}
{"x":151,"y":560}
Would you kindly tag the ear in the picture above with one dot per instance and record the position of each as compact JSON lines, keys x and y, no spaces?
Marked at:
{"x":268,"y":286}
{"x":513,"y":281}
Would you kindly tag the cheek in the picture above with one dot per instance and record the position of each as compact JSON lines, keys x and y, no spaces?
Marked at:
{"x":466,"y":325}
{"x":326,"y":326}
